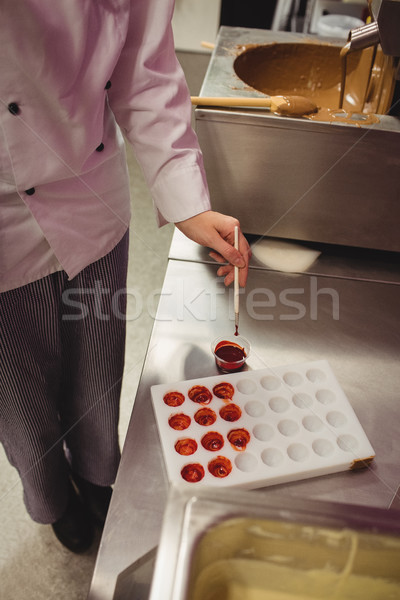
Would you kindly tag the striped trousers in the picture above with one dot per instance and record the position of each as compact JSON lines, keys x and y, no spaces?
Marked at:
{"x":62,"y":346}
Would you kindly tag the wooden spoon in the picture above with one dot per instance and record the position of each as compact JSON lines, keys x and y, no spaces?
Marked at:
{"x":294,"y":106}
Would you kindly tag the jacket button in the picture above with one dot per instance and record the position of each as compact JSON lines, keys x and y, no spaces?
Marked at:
{"x":108,"y":85}
{"x":30,"y":192}
{"x":100,"y":148}
{"x":13,"y":108}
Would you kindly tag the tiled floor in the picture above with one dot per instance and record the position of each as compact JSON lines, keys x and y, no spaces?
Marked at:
{"x":33,"y":564}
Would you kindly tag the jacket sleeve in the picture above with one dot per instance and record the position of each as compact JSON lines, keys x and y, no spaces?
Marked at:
{"x":150,"y":100}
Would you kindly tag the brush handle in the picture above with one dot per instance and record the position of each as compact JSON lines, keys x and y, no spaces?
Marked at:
{"x":236,"y":279}
{"x":209,"y":45}
{"x":226,"y":101}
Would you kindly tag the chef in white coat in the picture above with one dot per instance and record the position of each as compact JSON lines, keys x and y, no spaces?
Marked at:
{"x":77,"y":76}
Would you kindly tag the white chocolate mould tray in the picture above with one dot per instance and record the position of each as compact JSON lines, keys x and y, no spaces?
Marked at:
{"x":295,"y":422}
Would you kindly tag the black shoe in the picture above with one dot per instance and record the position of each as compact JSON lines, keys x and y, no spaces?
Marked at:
{"x":97,"y":498}
{"x":74,"y":529}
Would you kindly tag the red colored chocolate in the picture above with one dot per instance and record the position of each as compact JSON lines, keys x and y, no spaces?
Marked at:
{"x":220,"y":466}
{"x":212,"y":441}
{"x":224,"y":390}
{"x":229,"y":356}
{"x":193,"y":472}
{"x":230,"y":412}
{"x":239,"y":438}
{"x":205,"y":417}
{"x":200,"y":394}
{"x":186,"y":446}
{"x":174,"y":399}
{"x":179,"y":421}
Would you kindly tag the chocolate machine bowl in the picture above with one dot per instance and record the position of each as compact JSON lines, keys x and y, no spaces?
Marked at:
{"x":326,"y":178}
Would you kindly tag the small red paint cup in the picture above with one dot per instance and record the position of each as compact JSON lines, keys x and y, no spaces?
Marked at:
{"x":230,"y":352}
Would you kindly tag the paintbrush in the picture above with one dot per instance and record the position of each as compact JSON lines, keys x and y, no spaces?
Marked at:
{"x":236,"y":284}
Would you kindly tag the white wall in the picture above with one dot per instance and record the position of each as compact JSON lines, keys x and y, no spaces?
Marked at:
{"x":195,"y":21}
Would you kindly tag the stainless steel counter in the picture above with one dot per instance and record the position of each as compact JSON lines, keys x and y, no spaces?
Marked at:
{"x":344,"y":311}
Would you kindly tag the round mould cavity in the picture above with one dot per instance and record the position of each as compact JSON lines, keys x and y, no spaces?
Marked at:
{"x":192,"y":472}
{"x":179,"y":421}
{"x":312,"y":423}
{"x":254,"y":408}
{"x":322,"y":447}
{"x":246,"y":386}
{"x":270,"y":382}
{"x":325,"y":396}
{"x":347,"y":442}
{"x":278,"y":404}
{"x":205,"y":417}
{"x":272,"y":457}
{"x":336,"y":418}
{"x":263,"y":432}
{"x":298,"y":452}
{"x":288,"y":428}
{"x":200,"y":394}
{"x":302,"y":400}
{"x":224,"y":390}
{"x":246,"y":462}
{"x":212,"y":441}
{"x":174,"y":399}
{"x":186,"y":446}
{"x":230,"y":412}
{"x":315,"y":375}
{"x":292,"y":378}
{"x":238,"y":438}
{"x":220,"y":467}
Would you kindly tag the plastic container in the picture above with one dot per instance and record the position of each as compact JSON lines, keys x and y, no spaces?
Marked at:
{"x":230,"y":353}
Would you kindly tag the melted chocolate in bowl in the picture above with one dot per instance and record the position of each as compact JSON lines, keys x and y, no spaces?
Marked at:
{"x":314,"y":70}
{"x":230,"y":355}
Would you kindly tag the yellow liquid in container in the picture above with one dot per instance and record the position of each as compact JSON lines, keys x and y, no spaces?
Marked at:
{"x":245,"y":559}
{"x":239,"y":579}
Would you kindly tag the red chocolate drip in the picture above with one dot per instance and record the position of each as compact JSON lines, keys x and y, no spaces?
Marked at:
{"x":220,"y":466}
{"x":205,"y":416}
{"x":239,"y":438}
{"x":200,"y":394}
{"x":186,"y":446}
{"x":224,"y":390}
{"x":174,"y":399}
{"x":193,"y":472}
{"x":212,"y":441}
{"x":230,"y":412}
{"x":179,"y":421}
{"x":236,"y":330}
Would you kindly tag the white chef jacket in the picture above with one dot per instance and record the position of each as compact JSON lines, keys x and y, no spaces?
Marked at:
{"x":74,"y":74}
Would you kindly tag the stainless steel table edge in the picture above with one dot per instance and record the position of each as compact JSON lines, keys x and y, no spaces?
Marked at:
{"x":334,"y":261}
